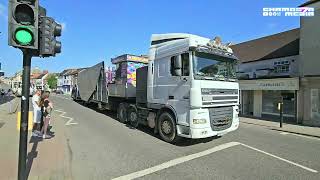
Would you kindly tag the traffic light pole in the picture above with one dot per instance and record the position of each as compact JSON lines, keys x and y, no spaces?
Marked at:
{"x":24,"y":115}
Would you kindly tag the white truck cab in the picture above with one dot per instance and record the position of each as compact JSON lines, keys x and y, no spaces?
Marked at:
{"x":186,"y":87}
{"x":195,"y":79}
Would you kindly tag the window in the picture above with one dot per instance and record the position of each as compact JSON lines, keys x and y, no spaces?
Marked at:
{"x":281,"y":66}
{"x":185,"y":64}
{"x":172,"y":60}
{"x":282,"y":69}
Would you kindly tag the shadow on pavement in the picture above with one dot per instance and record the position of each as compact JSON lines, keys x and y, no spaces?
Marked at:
{"x":183,"y":142}
{"x":6,"y":99}
{"x":32,"y":154}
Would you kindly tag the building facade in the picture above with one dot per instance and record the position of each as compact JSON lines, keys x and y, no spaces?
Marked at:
{"x":283,"y":68}
{"x":269,"y":75}
{"x":38,"y":81}
{"x":309,"y":101}
{"x":16,"y":81}
{"x":64,"y":81}
{"x":67,"y":79}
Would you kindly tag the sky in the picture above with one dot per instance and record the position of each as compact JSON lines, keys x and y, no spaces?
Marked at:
{"x":95,"y":31}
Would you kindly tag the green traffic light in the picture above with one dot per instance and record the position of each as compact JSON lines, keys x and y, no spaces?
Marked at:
{"x":24,"y":36}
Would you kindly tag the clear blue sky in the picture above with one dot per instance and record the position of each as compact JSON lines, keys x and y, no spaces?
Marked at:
{"x":98,"y":30}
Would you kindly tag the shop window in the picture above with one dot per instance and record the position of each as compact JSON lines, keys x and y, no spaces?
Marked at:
{"x":270,"y":100}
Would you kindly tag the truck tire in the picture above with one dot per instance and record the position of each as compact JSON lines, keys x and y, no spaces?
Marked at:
{"x":133,"y":116}
{"x":167,"y":128}
{"x":122,"y":113}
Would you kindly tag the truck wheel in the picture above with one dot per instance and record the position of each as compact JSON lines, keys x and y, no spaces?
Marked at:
{"x":167,"y":128}
{"x":133,"y":117}
{"x":122,"y":113}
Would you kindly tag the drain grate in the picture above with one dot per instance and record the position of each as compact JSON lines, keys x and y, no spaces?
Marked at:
{"x":1,"y":124}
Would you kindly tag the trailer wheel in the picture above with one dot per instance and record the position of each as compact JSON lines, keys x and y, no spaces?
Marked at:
{"x":133,"y":116}
{"x":122,"y":113}
{"x":167,"y":128}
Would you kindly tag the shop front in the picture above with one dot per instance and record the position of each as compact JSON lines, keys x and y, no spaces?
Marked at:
{"x":260,"y":98}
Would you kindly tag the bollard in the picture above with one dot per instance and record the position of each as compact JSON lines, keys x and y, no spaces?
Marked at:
{"x":280,"y":108}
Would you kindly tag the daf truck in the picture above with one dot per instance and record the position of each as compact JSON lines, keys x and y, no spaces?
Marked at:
{"x":186,"y":87}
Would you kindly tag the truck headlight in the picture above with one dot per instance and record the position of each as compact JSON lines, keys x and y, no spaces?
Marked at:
{"x":199,"y":121}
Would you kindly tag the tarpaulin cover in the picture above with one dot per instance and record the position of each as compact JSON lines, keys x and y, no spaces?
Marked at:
{"x":88,"y":79}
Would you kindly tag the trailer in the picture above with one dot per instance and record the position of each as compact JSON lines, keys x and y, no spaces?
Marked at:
{"x":185,"y":87}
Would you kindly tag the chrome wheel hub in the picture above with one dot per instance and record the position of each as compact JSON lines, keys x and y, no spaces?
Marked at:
{"x":166,"y":127}
{"x":133,"y":116}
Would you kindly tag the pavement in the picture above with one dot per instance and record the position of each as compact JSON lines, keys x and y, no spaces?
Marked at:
{"x":290,"y":128}
{"x":91,"y":144}
{"x":46,"y":159}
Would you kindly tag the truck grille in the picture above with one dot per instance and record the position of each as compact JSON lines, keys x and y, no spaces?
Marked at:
{"x":220,"y":118}
{"x":219,"y":97}
{"x":212,"y":91}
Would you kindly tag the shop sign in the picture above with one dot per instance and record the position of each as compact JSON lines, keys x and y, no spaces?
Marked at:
{"x":137,"y":59}
{"x":270,"y":84}
{"x":125,"y":58}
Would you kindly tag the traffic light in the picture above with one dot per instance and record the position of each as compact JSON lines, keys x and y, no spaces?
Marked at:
{"x":49,"y":30}
{"x":23,"y":23}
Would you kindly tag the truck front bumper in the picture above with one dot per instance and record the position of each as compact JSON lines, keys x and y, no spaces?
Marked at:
{"x":197,"y":133}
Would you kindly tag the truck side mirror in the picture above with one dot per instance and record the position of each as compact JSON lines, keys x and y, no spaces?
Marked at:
{"x":178,"y":66}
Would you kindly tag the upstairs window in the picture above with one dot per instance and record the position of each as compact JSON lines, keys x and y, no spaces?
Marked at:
{"x":281,"y":66}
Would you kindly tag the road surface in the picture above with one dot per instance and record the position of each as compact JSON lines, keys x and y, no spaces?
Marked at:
{"x":100,"y":147}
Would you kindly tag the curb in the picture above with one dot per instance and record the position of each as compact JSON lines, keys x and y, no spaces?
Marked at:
{"x":310,"y":135}
{"x":281,"y":130}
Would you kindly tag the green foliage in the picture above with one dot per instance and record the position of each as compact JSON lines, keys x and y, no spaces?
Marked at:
{"x":52,"y":81}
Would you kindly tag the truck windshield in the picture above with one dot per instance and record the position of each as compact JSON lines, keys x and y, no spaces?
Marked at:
{"x":212,"y":68}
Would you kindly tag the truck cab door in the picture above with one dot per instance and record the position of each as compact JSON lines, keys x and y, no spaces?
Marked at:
{"x":179,"y":87}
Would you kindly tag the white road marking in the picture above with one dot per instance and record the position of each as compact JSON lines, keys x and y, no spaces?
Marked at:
{"x":176,"y":161}
{"x":69,"y":122}
{"x":282,"y":159}
{"x":300,"y":135}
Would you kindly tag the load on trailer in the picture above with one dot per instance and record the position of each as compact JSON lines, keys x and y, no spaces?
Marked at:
{"x":186,"y":87}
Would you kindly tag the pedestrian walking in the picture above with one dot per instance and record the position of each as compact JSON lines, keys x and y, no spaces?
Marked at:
{"x":2,"y":95}
{"x":47,"y":107}
{"x":36,"y":113}
{"x":9,"y":95}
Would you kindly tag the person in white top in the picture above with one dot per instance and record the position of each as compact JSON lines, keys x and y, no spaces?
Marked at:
{"x":36,"y":113}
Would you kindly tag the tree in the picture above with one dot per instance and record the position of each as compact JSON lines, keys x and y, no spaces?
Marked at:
{"x":52,"y":81}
